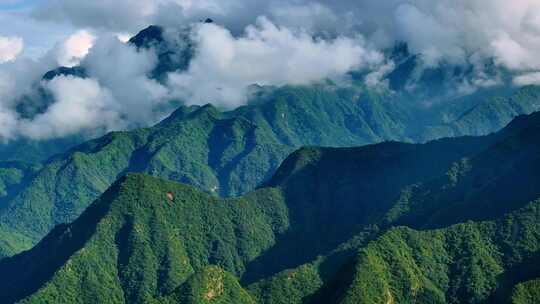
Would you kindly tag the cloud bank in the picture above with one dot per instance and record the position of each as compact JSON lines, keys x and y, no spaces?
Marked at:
{"x":451,"y":30}
{"x":115,"y":94}
{"x":117,"y":91}
{"x":272,"y":42}
{"x":80,"y":104}
{"x":266,"y":54}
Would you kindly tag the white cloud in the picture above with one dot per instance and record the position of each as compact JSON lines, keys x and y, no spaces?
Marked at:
{"x":528,"y":79}
{"x":17,"y":77}
{"x":279,"y":49}
{"x":443,"y":30}
{"x":124,"y":70}
{"x":266,"y":54}
{"x":75,"y":48}
{"x":10,"y":48}
{"x":375,"y":78}
{"x":38,"y":36}
{"x":126,"y":15}
{"x":80,"y":105}
{"x":314,"y":17}
{"x":117,"y":94}
{"x":8,"y":123}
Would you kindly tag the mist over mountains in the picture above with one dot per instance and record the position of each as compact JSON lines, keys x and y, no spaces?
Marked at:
{"x":211,"y":62}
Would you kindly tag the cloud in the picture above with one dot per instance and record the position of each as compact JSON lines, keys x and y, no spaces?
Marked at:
{"x":124,"y":70}
{"x":267,"y":54}
{"x":75,"y":48}
{"x":124,"y":15}
{"x":38,"y":36}
{"x":376,"y":78}
{"x":527,"y":79}
{"x":17,"y":77}
{"x":272,"y":42}
{"x":313,"y":17}
{"x":10,"y":48}
{"x":443,"y":30}
{"x":117,"y":94}
{"x":80,"y":105}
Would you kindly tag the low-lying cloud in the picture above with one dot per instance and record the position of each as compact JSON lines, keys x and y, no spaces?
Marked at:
{"x":80,"y":105}
{"x":267,"y":54}
{"x":449,"y":31}
{"x":115,"y":94}
{"x":272,"y":42}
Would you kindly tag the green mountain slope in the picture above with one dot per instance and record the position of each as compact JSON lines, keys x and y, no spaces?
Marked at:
{"x":322,"y":230}
{"x":481,"y":113}
{"x":230,"y":153}
{"x":139,"y":243}
{"x":467,"y":263}
{"x":225,"y":153}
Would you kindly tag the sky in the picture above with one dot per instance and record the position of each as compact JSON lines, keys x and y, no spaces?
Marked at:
{"x":38,"y":36}
{"x":18,"y":4}
{"x":265,"y":42}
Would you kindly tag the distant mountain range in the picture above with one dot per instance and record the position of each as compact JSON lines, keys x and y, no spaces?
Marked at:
{"x":449,"y":221}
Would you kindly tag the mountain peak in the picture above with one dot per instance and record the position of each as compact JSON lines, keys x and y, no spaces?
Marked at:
{"x":76,"y":71}
{"x":522,"y":122}
{"x":153,"y":34}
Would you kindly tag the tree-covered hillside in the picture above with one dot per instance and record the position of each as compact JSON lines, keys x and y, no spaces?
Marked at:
{"x":224,"y":153}
{"x":467,"y":263}
{"x":229,"y":153}
{"x":324,"y":229}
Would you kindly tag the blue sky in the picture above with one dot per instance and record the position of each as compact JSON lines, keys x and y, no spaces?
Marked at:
{"x":39,"y":36}
{"x":17,"y":4}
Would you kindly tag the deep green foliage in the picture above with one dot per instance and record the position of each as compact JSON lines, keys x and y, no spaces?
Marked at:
{"x":322,"y":230}
{"x":142,"y":240}
{"x":460,"y":264}
{"x":211,"y":285}
{"x":230,"y":153}
{"x":526,"y":293}
{"x":224,"y":153}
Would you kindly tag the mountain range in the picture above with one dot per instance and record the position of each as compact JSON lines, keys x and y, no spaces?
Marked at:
{"x":418,"y":190}
{"x":224,"y":153}
{"x":228,"y":153}
{"x":449,"y":221}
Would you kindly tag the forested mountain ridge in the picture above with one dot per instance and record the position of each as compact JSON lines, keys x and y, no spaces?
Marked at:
{"x":230,"y":153}
{"x":323,"y":225}
{"x":225,"y":153}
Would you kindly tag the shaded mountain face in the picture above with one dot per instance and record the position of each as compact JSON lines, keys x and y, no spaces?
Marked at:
{"x":223,"y":153}
{"x":322,"y":230}
{"x":174,"y":50}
